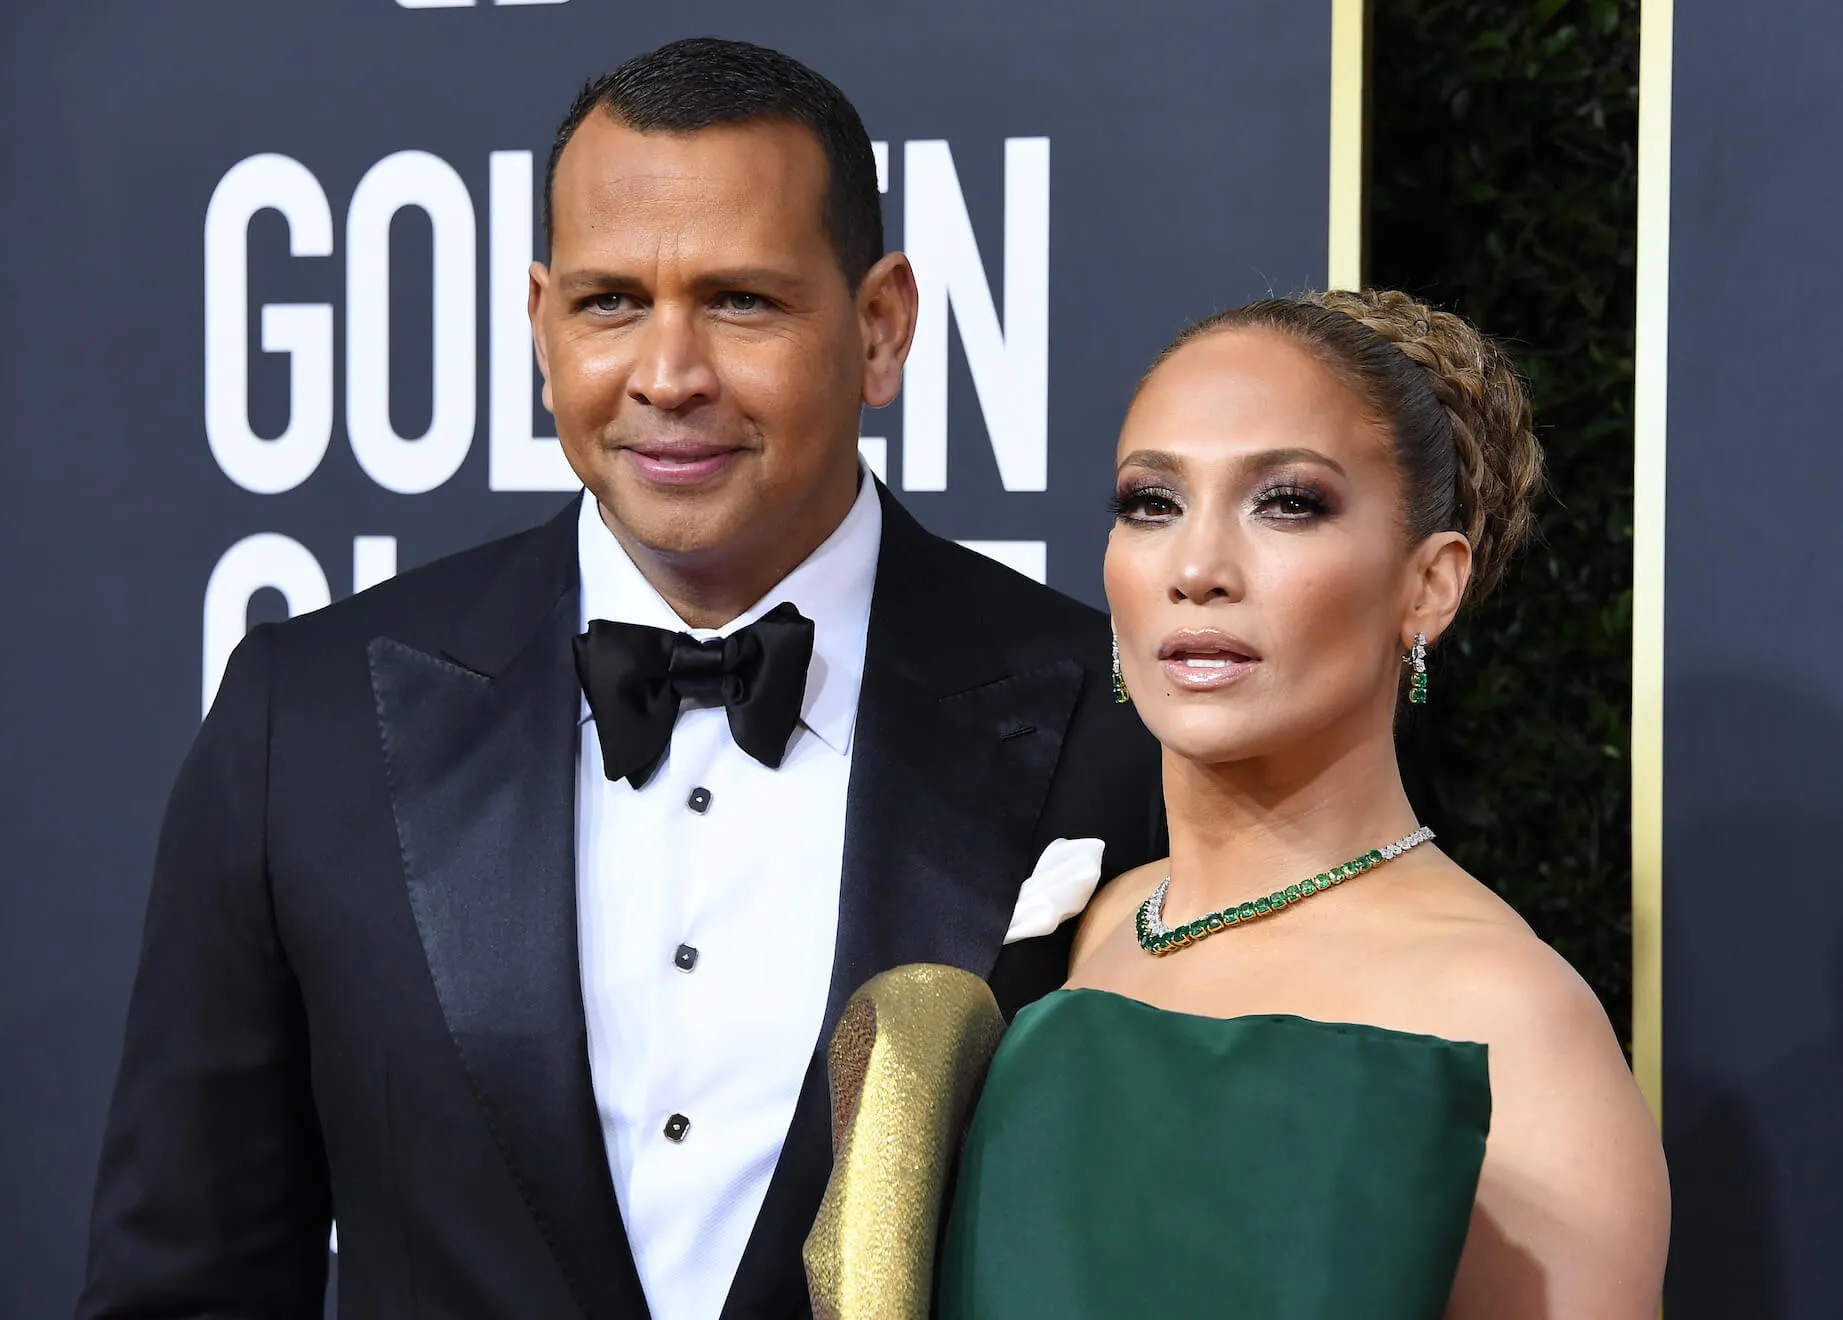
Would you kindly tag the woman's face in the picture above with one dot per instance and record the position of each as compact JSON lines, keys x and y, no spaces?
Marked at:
{"x":1261,"y":581}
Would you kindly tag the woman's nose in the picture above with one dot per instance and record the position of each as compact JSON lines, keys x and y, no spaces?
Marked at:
{"x":1206,"y":564}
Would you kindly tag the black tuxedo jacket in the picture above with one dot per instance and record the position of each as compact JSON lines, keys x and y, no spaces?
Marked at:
{"x":359,"y":991}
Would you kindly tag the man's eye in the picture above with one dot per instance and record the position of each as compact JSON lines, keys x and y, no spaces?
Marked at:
{"x":742,"y":302}
{"x":608,"y":303}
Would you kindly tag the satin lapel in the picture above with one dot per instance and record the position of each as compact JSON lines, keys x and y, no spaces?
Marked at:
{"x":481,"y":747}
{"x":952,"y":759}
{"x":951,"y":764}
{"x":945,"y":794}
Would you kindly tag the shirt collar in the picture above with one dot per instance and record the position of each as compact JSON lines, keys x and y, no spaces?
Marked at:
{"x":832,"y":587}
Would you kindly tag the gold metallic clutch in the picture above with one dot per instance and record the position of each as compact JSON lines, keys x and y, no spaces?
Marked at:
{"x":907,"y":1063}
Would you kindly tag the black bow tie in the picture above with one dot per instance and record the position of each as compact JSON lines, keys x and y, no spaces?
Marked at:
{"x":635,"y":677}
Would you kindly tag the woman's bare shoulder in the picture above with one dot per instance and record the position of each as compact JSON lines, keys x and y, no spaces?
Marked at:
{"x":1495,"y":979}
{"x":1574,"y":1185}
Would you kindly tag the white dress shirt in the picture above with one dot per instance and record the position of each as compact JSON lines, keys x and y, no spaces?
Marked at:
{"x":746,"y":890}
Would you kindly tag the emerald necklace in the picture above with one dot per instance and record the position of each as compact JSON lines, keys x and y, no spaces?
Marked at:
{"x":1156,"y":937}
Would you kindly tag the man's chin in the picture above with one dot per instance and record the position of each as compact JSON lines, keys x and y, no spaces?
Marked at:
{"x":678,"y":524}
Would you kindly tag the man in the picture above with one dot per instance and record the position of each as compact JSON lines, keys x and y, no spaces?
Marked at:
{"x":504,"y":910}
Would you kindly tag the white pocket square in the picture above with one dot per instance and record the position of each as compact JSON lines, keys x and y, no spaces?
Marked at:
{"x":1062,"y":884}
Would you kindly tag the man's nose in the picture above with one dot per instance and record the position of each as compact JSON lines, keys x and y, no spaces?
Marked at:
{"x":672,"y":369}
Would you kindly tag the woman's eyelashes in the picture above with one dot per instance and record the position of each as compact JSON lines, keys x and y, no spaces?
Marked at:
{"x":1285,"y":500}
{"x":1290,"y":500}
{"x":1146,"y":504}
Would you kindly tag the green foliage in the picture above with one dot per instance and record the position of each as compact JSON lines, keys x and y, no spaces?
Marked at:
{"x":1504,"y":187}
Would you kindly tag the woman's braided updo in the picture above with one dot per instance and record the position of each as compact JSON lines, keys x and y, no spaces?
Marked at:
{"x":1450,"y":398}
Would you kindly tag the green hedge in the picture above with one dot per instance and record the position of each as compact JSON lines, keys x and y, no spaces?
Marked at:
{"x":1503,"y":185}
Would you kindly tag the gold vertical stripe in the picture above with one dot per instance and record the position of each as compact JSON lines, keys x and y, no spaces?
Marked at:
{"x":1349,"y":33}
{"x":1650,"y":398}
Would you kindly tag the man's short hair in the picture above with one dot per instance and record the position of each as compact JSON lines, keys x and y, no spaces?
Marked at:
{"x":704,"y":82}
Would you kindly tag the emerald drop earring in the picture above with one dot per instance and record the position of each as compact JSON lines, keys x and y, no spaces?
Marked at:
{"x":1417,"y":685}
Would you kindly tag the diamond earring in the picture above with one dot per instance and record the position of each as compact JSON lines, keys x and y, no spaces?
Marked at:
{"x":1417,"y":685}
{"x":1120,"y":695}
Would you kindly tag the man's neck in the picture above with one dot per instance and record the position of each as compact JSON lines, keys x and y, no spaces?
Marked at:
{"x":710,"y":588}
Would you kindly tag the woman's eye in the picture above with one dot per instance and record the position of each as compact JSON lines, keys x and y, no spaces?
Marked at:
{"x":1146,"y":505}
{"x":1291,"y":505}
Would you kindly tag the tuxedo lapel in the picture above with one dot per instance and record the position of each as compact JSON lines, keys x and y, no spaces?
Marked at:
{"x":481,"y":744}
{"x":946,"y":789}
{"x":952,"y":758}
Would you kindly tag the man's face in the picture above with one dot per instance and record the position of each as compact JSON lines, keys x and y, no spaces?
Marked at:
{"x":702,"y":352}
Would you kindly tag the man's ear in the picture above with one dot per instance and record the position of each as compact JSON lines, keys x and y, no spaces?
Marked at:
{"x":1441,"y":566}
{"x":535,"y":299}
{"x":887,"y":303}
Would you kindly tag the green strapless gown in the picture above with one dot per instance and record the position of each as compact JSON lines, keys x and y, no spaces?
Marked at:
{"x":1128,"y":1161}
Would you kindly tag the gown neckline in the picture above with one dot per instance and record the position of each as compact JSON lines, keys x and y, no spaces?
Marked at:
{"x":1340,"y":1028}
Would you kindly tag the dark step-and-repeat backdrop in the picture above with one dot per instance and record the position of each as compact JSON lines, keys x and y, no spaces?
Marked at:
{"x":1739,"y":714}
{"x":265,"y":344}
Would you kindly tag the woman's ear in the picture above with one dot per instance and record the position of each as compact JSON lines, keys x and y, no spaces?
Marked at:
{"x":1441,"y":566}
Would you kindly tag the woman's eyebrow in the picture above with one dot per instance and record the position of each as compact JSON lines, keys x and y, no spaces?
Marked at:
{"x":1158,"y":460}
{"x":1155,"y":459}
{"x":1273,"y":458}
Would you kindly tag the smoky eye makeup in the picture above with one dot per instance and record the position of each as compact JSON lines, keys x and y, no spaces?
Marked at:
{"x":1145,"y":501}
{"x":1292,"y":497}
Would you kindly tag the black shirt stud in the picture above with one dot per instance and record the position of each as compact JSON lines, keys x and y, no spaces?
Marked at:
{"x":676,"y":1127}
{"x":699,"y":801}
{"x":686,"y":958}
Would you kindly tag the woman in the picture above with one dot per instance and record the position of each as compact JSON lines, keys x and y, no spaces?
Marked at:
{"x":1308,"y":1067}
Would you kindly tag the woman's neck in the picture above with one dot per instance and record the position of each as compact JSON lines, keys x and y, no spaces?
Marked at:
{"x":1244,"y":827}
